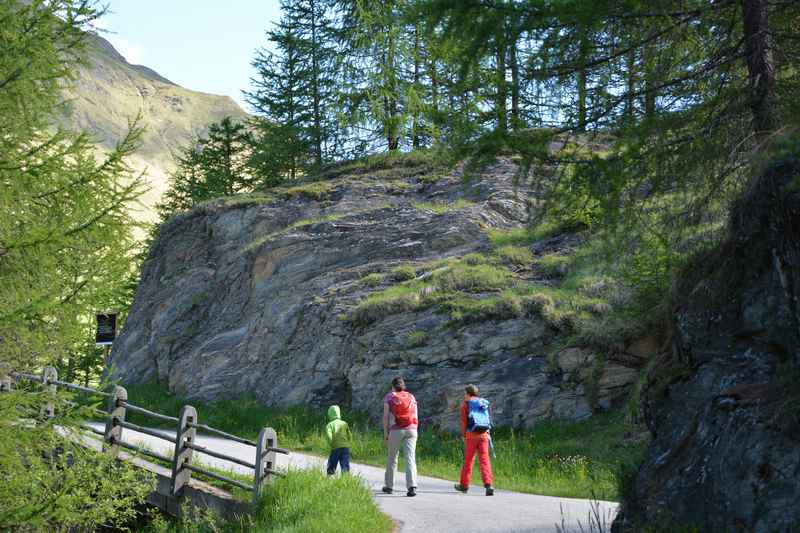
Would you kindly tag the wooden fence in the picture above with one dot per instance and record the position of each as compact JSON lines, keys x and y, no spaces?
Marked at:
{"x":186,"y":425}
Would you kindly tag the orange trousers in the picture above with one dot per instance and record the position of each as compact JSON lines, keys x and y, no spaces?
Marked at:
{"x":481,"y":446}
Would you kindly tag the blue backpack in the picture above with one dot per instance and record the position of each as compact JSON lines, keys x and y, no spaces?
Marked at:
{"x":478,"y":419}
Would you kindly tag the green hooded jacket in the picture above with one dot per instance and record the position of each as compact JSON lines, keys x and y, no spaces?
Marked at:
{"x":337,"y":431}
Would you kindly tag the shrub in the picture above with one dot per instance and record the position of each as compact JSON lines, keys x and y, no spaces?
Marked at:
{"x":372,"y":280}
{"x":478,"y":278}
{"x":465,"y":309}
{"x":516,"y":255}
{"x":554,"y":265}
{"x":317,"y":190}
{"x":474,"y":259}
{"x":404,"y":273}
{"x":416,"y":339}
{"x":385,"y":303}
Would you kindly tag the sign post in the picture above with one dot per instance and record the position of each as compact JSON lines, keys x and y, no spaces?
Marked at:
{"x":106,"y":332}
{"x":106,"y":329}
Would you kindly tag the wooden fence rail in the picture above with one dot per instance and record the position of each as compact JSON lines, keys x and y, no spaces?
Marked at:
{"x":187,"y":425}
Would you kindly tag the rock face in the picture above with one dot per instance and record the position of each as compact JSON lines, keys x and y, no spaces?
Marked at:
{"x":260,"y":295}
{"x":724,"y":407}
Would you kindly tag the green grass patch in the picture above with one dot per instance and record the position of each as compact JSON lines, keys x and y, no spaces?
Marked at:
{"x":522,"y":236}
{"x":443,"y":207}
{"x":446,"y":280}
{"x":372,"y":280}
{"x":581,"y":459}
{"x":305,"y":501}
{"x":515,"y":255}
{"x":257,"y":243}
{"x":315,"y":190}
{"x":553,"y":265}
{"x":404,"y":273}
{"x":416,"y":339}
{"x":464,"y":309}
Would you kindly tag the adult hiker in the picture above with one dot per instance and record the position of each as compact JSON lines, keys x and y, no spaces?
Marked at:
{"x":476,"y":425}
{"x":400,"y":433}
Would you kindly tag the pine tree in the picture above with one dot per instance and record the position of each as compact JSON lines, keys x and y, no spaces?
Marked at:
{"x":215,"y":165}
{"x":294,"y":91}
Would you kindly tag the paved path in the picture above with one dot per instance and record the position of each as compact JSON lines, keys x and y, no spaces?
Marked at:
{"x":437,"y":508}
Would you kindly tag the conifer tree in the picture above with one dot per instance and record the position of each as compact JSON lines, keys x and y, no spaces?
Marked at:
{"x":294,"y":92}
{"x":217,"y":164}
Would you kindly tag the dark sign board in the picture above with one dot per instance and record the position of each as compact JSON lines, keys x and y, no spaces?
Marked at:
{"x":106,"y":329}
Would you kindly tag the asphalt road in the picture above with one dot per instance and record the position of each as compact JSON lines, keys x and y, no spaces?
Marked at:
{"x":438,"y":508}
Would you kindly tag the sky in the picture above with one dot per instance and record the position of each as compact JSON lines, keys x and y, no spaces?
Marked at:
{"x":203,"y":45}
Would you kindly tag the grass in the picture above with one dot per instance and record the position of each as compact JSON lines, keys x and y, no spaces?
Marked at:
{"x":315,"y":190}
{"x":257,"y":243}
{"x":443,"y":207}
{"x":515,"y":255}
{"x":416,"y":339}
{"x":304,"y":501}
{"x":404,"y":273}
{"x":522,"y":236}
{"x":559,"y":458}
{"x":446,"y":280}
{"x":372,"y":280}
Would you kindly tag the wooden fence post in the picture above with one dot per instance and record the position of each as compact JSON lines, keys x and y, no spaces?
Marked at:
{"x":49,"y":374}
{"x":265,"y":460}
{"x":5,"y":377}
{"x":116,"y":413}
{"x":183,"y":454}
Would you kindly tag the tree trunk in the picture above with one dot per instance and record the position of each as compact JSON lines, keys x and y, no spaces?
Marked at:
{"x":651,"y":81}
{"x":500,"y":81}
{"x":584,"y":52}
{"x":512,"y":59}
{"x":760,"y":66}
{"x":415,"y":123}
{"x":317,"y":133}
{"x":630,"y":101}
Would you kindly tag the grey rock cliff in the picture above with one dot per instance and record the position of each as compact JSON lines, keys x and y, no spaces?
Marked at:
{"x":257,"y":296}
{"x":724,"y":406}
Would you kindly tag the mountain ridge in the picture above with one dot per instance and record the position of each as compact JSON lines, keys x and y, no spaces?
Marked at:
{"x":109,"y":92}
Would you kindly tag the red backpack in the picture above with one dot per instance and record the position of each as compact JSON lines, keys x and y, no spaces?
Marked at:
{"x":404,"y":415}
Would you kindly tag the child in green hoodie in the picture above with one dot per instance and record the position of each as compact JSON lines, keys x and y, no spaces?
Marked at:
{"x":338,"y":434}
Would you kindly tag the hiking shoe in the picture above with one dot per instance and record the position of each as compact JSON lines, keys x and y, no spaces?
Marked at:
{"x":412,"y":492}
{"x":489,"y":490}
{"x":461,"y":488}
{"x":386,"y":490}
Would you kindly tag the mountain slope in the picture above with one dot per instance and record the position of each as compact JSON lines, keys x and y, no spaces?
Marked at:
{"x":109,"y":92}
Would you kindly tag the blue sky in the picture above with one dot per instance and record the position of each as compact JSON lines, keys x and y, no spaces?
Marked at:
{"x":204,"y":45}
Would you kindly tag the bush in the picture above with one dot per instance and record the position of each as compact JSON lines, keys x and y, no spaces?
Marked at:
{"x":464,"y":309}
{"x":416,"y":339}
{"x":474,"y":259}
{"x":479,"y":278}
{"x":372,"y":280}
{"x":404,"y":273}
{"x":317,"y":190}
{"x":385,"y":303}
{"x":554,"y":265}
{"x":516,"y":255}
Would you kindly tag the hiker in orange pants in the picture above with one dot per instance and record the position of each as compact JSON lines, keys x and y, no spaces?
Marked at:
{"x":474,"y":441}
